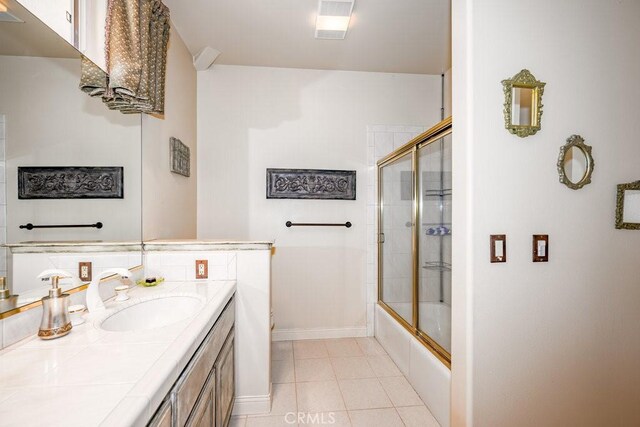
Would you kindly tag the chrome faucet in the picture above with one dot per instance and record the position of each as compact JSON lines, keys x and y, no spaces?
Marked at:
{"x":94,"y":300}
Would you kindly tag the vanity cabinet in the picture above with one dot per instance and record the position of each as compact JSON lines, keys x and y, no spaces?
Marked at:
{"x":203,"y":395}
{"x":57,"y":14}
{"x":163,"y":416}
{"x":225,"y":385}
{"x":80,"y":22}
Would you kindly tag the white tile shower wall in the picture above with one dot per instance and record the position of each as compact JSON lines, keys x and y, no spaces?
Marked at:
{"x":381,"y":140}
{"x":180,"y":265}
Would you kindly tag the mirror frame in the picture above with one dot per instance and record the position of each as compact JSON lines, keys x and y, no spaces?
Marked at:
{"x":575,"y":141}
{"x":523,"y":79}
{"x":620,"y":224}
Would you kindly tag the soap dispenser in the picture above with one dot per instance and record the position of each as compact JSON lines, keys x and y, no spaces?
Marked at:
{"x":55,"y":308}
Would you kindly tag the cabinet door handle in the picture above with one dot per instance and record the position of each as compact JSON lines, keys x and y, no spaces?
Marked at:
{"x":69,"y":17}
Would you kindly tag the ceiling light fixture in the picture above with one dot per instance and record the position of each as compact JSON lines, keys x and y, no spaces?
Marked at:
{"x":333,"y":19}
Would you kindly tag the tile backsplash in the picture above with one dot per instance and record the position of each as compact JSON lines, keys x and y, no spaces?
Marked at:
{"x":181,"y":265}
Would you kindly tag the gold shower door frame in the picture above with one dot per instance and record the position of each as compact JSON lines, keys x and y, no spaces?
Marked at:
{"x":434,"y":134}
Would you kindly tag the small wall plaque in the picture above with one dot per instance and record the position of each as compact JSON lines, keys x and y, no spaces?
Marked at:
{"x":70,"y":182}
{"x":311,"y":184}
{"x":180,"y":157}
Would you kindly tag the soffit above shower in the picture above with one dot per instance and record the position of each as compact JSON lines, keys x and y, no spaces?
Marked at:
{"x":398,"y":36}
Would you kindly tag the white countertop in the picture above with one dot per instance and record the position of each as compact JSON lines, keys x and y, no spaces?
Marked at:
{"x":204,"y":245}
{"x":96,"y":377}
{"x":73,"y":246}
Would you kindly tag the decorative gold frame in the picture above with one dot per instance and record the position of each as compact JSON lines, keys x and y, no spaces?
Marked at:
{"x":620,"y":224}
{"x":437,"y":132}
{"x":575,"y":141}
{"x":523,"y":79}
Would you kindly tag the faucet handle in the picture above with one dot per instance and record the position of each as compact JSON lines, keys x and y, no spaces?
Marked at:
{"x":54,"y":272}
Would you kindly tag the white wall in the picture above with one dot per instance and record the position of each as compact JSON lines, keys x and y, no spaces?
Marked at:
{"x":169,"y":199}
{"x":50,"y":122}
{"x":448,"y":86}
{"x":545,"y":344}
{"x":253,"y":118}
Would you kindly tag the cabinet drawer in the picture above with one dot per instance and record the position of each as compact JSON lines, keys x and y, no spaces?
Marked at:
{"x":225,"y":382}
{"x":192,"y":381}
{"x":205,"y":411}
{"x":163,"y":417}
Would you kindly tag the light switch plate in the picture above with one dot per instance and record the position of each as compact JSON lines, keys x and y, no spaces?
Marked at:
{"x":202,"y":269}
{"x":84,"y":271}
{"x":540,"y":248}
{"x":498,"y":248}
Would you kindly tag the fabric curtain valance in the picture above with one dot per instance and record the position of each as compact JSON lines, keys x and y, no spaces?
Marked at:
{"x":137,"y":37}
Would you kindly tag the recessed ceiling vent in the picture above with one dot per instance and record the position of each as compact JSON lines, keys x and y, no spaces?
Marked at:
{"x":333,"y":18}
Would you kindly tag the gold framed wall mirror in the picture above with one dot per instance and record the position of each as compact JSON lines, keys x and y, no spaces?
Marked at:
{"x":523,"y":104}
{"x":628,"y":206}
{"x":575,"y":163}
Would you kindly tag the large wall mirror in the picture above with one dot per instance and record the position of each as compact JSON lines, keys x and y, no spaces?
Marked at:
{"x":65,"y":161}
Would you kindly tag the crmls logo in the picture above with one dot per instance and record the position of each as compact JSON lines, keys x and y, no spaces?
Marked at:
{"x":303,"y":418}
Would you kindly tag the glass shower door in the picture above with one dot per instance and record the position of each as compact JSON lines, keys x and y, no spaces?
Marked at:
{"x":434,"y":213}
{"x":396,"y":191}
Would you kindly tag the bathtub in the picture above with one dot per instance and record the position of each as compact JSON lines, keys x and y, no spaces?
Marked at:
{"x":435,"y":319}
{"x":427,"y":374}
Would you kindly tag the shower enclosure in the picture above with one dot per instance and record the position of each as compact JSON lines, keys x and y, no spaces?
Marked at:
{"x":414,"y":237}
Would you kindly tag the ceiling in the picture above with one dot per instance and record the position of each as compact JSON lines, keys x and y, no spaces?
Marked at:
{"x":394,"y":36}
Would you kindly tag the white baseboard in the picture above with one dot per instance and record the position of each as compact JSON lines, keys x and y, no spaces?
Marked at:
{"x":252,"y":405}
{"x":315,"y":334}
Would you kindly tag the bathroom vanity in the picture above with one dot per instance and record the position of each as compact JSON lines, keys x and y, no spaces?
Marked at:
{"x":203,"y":394}
{"x":116,"y":374}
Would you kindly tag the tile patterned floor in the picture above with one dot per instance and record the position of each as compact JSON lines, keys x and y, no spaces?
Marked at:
{"x":339,"y":382}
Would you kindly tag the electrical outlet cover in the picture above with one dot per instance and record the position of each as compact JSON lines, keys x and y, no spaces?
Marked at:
{"x":84,"y":271}
{"x":202,"y":269}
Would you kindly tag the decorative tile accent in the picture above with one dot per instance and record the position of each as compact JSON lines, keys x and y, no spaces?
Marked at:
{"x":311,"y":184}
{"x":68,"y":182}
{"x":180,"y":157}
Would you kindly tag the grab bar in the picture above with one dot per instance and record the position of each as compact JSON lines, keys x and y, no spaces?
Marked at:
{"x":317,"y":224}
{"x":30,"y":226}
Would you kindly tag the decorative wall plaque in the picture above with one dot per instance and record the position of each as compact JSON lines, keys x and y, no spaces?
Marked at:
{"x":311,"y":184}
{"x":70,"y":182}
{"x":180,"y":157}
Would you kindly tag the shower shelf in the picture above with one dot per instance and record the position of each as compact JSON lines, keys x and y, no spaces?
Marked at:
{"x":438,"y":193}
{"x":437,"y":266}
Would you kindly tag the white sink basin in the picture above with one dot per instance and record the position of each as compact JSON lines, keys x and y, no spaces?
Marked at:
{"x":152,"y":313}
